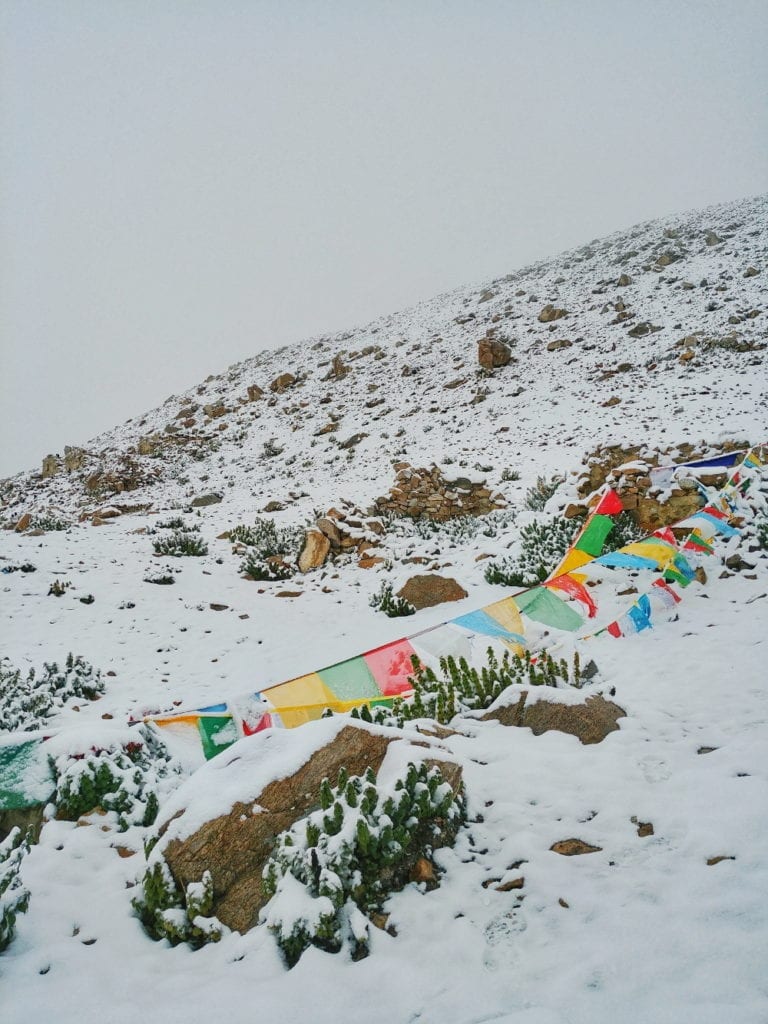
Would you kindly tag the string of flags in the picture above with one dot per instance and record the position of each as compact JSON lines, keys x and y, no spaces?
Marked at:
{"x":563,"y":602}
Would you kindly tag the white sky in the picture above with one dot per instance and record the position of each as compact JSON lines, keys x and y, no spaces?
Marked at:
{"x":186,"y":182}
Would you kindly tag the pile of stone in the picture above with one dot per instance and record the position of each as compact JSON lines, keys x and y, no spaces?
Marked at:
{"x":343,"y":531}
{"x":629,"y":472}
{"x":428,"y":493}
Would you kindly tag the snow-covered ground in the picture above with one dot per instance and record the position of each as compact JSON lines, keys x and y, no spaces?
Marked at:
{"x":650,"y":932}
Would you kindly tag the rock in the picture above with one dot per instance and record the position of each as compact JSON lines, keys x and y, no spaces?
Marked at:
{"x":316,"y":549}
{"x":331,"y":530}
{"x":751,"y":272}
{"x":573,"y":848}
{"x":687,"y":356}
{"x":370,"y":561}
{"x":353,"y":441}
{"x":215,"y":410}
{"x":737,"y":563}
{"x":590,"y":721}
{"x":282,"y":383}
{"x":640,"y":330}
{"x":613,"y":400}
{"x":667,"y":258}
{"x":74,"y":458}
{"x":203,"y":500}
{"x":255,"y":393}
{"x":338,"y":370}
{"x":218,"y":607}
{"x":147,"y":445}
{"x":511,"y":885}
{"x":429,"y":590}
{"x":51,"y":466}
{"x":23,"y":523}
{"x":274,"y":506}
{"x":550,"y":313}
{"x":573,"y":511}
{"x":424,"y":871}
{"x":711,"y":861}
{"x":623,"y":281}
{"x":493,"y":354}
{"x":711,"y":238}
{"x":561,"y":343}
{"x":236,"y":845}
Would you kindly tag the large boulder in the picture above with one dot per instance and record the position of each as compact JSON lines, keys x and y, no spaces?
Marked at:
{"x":431,"y":589}
{"x":550,"y":313}
{"x":282,"y":382}
{"x":51,"y":465}
{"x":492,"y":353}
{"x":226,"y":819}
{"x":316,"y":549}
{"x":590,"y":720}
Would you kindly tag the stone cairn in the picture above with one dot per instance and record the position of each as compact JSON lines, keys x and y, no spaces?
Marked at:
{"x":427,"y":493}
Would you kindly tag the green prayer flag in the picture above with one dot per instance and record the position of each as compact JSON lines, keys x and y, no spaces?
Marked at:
{"x":350,"y":680}
{"x":541,"y":605}
{"x":25,"y":775}
{"x":593,"y":537}
{"x":217,"y":732}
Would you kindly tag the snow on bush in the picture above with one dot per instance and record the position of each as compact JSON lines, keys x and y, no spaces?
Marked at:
{"x":338,"y":865}
{"x":460,"y":688}
{"x":14,"y":897}
{"x":122,"y":772}
{"x":543,"y":545}
{"x":27,"y":701}
{"x":385,"y":601}
{"x":180,"y":543}
{"x":167,"y":913}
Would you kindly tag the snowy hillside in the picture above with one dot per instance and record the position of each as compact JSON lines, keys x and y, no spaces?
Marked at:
{"x":651,"y":339}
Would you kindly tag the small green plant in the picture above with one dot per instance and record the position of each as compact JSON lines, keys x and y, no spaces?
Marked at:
{"x":459,"y":688}
{"x":538,"y":495}
{"x":177,"y":523}
{"x":48,"y":523}
{"x":168,"y":913}
{"x":119,"y":776}
{"x":543,"y":545}
{"x":385,"y":601}
{"x":335,"y":867}
{"x":265,"y":570}
{"x":761,"y":533}
{"x":510,"y":476}
{"x":28,"y":701}
{"x":268,"y":539}
{"x":14,"y":897}
{"x":180,"y":543}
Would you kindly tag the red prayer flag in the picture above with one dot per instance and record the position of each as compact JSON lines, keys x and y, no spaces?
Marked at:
{"x":614,"y":629}
{"x":610,"y":504}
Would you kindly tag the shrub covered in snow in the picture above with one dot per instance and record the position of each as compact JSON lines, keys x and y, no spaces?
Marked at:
{"x":538,"y":495}
{"x":337,"y":866}
{"x":14,"y":897}
{"x":542,"y":547}
{"x":268,"y":539}
{"x":261,"y":569}
{"x":122,"y":775}
{"x":459,"y":687}
{"x":385,"y":601}
{"x":180,"y":543}
{"x":167,"y":913}
{"x":27,"y":701}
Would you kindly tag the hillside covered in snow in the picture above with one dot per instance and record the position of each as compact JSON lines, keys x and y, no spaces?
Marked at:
{"x":606,"y":364}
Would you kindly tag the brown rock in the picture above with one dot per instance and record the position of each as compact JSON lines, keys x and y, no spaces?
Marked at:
{"x":511,"y":885}
{"x":561,"y":343}
{"x":51,"y":466}
{"x":370,"y":561}
{"x":235,"y":846}
{"x":711,"y":861}
{"x":330,"y":529}
{"x":590,"y":722}
{"x":429,"y":590}
{"x":23,"y":523}
{"x":751,"y":272}
{"x":316,"y":549}
{"x":424,"y":871}
{"x":282,"y":383}
{"x":573,"y":848}
{"x":74,"y":458}
{"x":624,"y":280}
{"x":288,"y":593}
{"x":255,"y":393}
{"x":491,"y":354}
{"x":550,"y":313}
{"x":613,"y":400}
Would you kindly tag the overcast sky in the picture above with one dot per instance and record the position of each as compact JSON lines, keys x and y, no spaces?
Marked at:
{"x":186,"y":182}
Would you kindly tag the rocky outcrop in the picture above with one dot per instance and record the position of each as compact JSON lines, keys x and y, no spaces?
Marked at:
{"x":203,"y":500}
{"x":235,"y":845}
{"x":590,"y":721}
{"x":74,"y":458}
{"x":557,"y":346}
{"x":427,"y":493}
{"x":428,"y":590}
